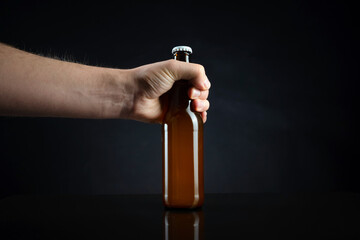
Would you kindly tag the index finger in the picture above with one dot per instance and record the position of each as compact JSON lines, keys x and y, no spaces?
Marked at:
{"x":193,"y":72}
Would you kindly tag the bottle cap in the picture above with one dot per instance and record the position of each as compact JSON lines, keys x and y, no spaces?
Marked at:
{"x":181,"y":49}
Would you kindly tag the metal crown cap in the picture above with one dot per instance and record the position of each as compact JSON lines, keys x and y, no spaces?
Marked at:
{"x":181,"y":49}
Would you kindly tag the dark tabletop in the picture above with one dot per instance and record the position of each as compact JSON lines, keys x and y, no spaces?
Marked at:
{"x":223,"y":216}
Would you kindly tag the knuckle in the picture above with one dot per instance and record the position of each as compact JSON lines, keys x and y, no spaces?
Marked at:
{"x":172,"y":67}
{"x":200,"y":69}
{"x":170,"y":64}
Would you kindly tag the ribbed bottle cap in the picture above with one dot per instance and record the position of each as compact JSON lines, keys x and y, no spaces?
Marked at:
{"x":181,"y":49}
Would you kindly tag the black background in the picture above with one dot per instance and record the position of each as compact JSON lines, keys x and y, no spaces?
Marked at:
{"x":283,"y":96}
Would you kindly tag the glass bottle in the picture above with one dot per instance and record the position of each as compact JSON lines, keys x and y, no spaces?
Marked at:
{"x":182,"y":131}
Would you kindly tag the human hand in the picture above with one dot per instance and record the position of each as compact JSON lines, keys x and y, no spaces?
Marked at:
{"x":153,"y":80}
{"x":32,"y":85}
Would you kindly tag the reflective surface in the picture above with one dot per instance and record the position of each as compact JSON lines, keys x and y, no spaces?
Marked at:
{"x":226,"y":216}
{"x":183,"y":224}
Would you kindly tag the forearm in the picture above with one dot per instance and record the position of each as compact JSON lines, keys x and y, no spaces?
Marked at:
{"x":32,"y":85}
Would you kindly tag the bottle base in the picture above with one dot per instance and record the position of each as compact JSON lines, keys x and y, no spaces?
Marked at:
{"x":182,"y":208}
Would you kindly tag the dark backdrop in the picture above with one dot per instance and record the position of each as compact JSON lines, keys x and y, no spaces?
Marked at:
{"x":283,"y":95}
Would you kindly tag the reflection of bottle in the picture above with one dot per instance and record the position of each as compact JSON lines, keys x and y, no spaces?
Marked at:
{"x":183,"y":184}
{"x":182,"y":224}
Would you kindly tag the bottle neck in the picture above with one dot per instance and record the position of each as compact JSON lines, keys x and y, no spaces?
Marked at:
{"x":179,"y":91}
{"x":182,"y":56}
{"x":179,"y":95}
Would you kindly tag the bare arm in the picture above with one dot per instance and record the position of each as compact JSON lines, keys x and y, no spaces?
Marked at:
{"x":32,"y":85}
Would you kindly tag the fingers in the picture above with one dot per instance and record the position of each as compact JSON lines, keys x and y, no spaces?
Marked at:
{"x":195,"y":93}
{"x":204,"y":116}
{"x":198,"y":105}
{"x":195,"y":73}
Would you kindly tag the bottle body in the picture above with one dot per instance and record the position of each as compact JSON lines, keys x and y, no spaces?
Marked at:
{"x":182,"y":131}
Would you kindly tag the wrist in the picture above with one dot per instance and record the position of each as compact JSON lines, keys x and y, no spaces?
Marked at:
{"x":115,"y":93}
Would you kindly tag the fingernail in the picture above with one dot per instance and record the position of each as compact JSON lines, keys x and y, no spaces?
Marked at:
{"x":196,"y":93}
{"x":207,"y":84}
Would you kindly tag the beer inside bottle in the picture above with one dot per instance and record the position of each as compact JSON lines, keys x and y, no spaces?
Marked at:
{"x":182,"y":129}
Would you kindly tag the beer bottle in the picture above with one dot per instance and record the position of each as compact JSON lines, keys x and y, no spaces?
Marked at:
{"x":182,"y":130}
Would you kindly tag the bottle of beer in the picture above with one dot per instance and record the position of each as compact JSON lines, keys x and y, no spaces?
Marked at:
{"x":182,"y":129}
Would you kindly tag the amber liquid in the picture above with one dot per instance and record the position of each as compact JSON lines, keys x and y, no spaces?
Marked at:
{"x":183,"y":184}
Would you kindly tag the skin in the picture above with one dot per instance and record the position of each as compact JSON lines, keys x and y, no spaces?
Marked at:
{"x":32,"y":85}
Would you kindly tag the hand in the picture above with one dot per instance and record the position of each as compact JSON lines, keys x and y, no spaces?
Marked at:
{"x":32,"y":85}
{"x":155,"y":79}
